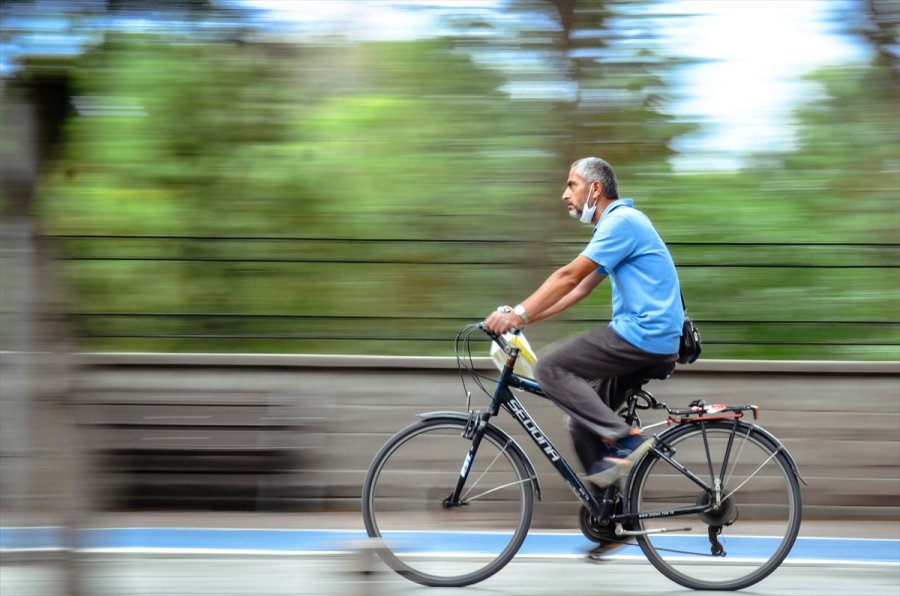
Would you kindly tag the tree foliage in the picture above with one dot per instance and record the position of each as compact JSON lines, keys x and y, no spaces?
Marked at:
{"x":416,"y":140}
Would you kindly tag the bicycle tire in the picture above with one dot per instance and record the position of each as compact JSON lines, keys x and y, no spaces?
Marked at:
{"x":759,"y":517}
{"x":428,"y":543}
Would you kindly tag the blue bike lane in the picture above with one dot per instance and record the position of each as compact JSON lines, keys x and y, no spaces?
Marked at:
{"x":236,"y":541}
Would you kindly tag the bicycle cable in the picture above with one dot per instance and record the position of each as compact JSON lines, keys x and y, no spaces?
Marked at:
{"x":465,"y":361}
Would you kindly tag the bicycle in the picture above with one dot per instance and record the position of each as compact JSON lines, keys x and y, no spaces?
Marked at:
{"x":708,"y":472}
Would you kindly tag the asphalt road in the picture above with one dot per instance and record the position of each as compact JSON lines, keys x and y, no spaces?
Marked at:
{"x":191,"y":575}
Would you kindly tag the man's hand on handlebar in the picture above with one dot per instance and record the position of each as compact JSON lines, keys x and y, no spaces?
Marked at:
{"x":502,"y":320}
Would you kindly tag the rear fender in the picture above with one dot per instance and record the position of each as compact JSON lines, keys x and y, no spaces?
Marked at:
{"x":783,"y":449}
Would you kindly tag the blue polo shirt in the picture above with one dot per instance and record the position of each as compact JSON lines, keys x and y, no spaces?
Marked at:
{"x":646,"y":298}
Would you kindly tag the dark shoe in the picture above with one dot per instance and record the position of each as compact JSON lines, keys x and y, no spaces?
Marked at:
{"x":632,"y":447}
{"x":622,"y":456}
{"x":607,"y":471}
{"x":602,"y":452}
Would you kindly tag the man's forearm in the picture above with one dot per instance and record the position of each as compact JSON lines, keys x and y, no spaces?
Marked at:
{"x":560,"y":283}
{"x":581,"y":291}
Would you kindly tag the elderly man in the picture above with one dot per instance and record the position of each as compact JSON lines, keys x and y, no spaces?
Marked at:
{"x":587,"y":376}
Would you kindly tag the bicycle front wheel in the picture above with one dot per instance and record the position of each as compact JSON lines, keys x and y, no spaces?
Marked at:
{"x":744,"y":533}
{"x":429,"y":540}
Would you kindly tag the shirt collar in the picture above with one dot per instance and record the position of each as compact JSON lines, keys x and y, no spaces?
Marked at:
{"x":615,"y":205}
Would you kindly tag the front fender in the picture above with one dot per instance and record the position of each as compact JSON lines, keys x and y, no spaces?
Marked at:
{"x":499,"y":434}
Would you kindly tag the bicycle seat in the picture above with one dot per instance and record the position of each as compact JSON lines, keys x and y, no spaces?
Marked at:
{"x":660,"y":371}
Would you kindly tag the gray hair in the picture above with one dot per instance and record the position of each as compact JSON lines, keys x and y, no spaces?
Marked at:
{"x":594,"y":168}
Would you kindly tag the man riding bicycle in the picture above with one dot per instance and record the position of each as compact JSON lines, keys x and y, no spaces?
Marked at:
{"x":647,"y":317}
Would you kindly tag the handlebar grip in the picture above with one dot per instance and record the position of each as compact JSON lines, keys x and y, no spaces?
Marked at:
{"x":504,"y":345}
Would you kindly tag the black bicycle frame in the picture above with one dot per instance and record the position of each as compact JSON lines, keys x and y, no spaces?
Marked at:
{"x":504,"y":398}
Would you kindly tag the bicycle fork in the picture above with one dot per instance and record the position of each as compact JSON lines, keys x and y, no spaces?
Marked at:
{"x":474,"y":430}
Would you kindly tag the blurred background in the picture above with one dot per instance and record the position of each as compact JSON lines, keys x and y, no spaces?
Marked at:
{"x":216,"y":179}
{"x":365,"y":177}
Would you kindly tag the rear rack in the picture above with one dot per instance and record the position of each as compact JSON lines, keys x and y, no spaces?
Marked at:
{"x":697,"y":410}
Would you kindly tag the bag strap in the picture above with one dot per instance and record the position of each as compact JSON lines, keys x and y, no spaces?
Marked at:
{"x":683,"y":304}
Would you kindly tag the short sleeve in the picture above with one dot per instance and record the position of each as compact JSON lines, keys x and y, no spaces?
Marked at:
{"x":612,"y":243}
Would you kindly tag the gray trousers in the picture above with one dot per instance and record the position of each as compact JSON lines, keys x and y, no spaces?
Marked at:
{"x":587,"y":378}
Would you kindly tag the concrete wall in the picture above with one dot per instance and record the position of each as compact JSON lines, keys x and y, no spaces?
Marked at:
{"x":299,"y":432}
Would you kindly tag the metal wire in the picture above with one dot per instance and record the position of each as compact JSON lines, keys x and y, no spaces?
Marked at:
{"x":220,"y":326}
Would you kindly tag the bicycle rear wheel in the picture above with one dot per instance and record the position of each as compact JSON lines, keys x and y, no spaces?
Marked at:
{"x":424,"y":539}
{"x":747,"y":536}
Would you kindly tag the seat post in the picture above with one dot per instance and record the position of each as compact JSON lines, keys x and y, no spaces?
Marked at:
{"x":630,"y":404}
{"x":636,"y":391}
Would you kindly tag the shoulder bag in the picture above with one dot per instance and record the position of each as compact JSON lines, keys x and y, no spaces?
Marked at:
{"x":689,"y":348}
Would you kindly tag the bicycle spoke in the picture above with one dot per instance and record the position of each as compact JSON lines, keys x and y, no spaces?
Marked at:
{"x":751,"y":475}
{"x":737,"y":458}
{"x":496,"y":488}
{"x":487,"y":469}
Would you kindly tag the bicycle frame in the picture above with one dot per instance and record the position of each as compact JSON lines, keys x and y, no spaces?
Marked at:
{"x":602,"y":509}
{"x":504,"y":398}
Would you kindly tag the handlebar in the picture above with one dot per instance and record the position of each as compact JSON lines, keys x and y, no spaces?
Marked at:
{"x":504,"y":345}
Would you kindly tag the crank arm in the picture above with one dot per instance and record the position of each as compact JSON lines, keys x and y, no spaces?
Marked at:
{"x":620,"y":531}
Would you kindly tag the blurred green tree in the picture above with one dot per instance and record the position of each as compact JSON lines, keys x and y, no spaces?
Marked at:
{"x":401,"y":139}
{"x":456,"y":142}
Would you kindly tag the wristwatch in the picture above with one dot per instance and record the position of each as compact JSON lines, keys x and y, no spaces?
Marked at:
{"x":520,"y":311}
